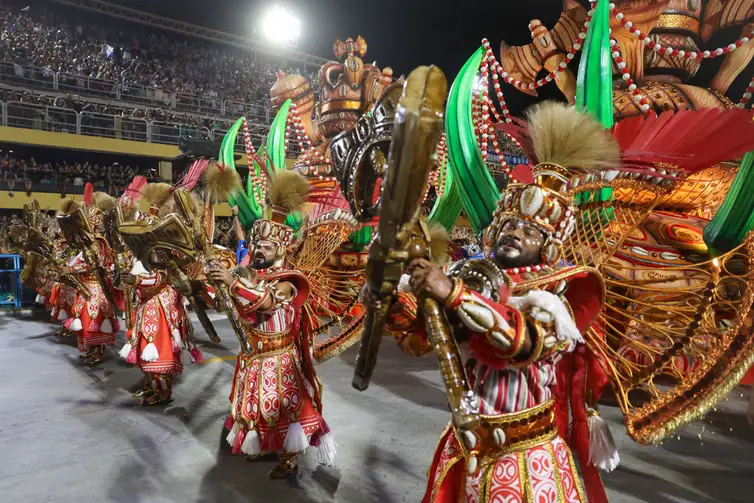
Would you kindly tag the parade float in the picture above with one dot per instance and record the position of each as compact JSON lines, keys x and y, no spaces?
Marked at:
{"x":337,"y":233}
{"x":672,"y":240}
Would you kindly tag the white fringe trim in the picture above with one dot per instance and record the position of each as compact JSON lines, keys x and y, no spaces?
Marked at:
{"x":295,"y":439}
{"x":76,"y":325}
{"x":602,"y":451}
{"x":62,"y":315}
{"x":125,"y":350}
{"x":251,"y":445}
{"x":150,"y":353}
{"x":40,"y":299}
{"x":231,"y":438}
{"x":565,"y":328}
{"x":327,"y":449}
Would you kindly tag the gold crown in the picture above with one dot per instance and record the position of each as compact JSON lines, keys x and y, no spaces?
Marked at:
{"x":544,"y":203}
{"x":268,"y":230}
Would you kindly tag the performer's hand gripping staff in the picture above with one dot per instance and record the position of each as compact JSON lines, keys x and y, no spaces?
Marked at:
{"x":401,"y":238}
{"x":210,"y":261}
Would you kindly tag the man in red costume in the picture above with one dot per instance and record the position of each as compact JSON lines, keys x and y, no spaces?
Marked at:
{"x":93,"y":319}
{"x":276,"y":401}
{"x":516,"y":314}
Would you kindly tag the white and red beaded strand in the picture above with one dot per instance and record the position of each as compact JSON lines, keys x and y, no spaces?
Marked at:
{"x":310,"y":150}
{"x":570,"y":54}
{"x":746,"y":98}
{"x":256,"y":182}
{"x":486,"y":129}
{"x":674,"y":51}
{"x":636,"y":95}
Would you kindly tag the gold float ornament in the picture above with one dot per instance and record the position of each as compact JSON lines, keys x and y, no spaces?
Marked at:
{"x":657,"y":266}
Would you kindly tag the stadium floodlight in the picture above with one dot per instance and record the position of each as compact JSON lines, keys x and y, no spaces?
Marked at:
{"x":280,"y":26}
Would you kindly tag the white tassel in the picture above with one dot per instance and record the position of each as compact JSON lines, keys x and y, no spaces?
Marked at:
{"x":327,"y":449}
{"x":40,"y":299}
{"x":231,"y":438}
{"x":295,"y":439}
{"x":177,"y":342}
{"x":62,"y":315}
{"x":76,"y":325}
{"x":150,"y":353}
{"x":251,"y":446}
{"x":186,"y":357}
{"x":602,"y":451}
{"x":106,"y":327}
{"x":125,"y":350}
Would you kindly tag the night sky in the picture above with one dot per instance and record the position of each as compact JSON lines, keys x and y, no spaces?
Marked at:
{"x":403,"y":34}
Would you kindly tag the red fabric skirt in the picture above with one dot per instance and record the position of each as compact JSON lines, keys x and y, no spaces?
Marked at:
{"x":545,"y":473}
{"x":152,"y":322}
{"x":270,"y":393}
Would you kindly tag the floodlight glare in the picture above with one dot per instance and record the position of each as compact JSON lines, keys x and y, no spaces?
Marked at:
{"x":281,"y":26}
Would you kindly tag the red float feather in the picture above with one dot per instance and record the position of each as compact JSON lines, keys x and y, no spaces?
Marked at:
{"x":690,"y":140}
{"x":88,"y":195}
{"x":194,"y":174}
{"x":133,"y":191}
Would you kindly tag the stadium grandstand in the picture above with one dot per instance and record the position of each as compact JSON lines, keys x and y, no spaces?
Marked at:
{"x":92,"y":91}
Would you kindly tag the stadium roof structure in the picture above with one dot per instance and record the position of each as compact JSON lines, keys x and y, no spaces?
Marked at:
{"x":193,"y":30}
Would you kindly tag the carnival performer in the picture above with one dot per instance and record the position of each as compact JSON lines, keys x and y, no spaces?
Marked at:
{"x":63,"y":296}
{"x":159,"y":325}
{"x":276,"y":404}
{"x":157,"y":339}
{"x":93,"y":320}
{"x":514,"y":313}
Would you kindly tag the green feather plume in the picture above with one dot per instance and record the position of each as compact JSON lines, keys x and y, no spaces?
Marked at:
{"x":594,"y":91}
{"x":477,"y":188}
{"x":735,"y":217}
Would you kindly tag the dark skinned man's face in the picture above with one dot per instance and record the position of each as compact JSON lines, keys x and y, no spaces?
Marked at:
{"x":519,"y":244}
{"x":264,"y":255}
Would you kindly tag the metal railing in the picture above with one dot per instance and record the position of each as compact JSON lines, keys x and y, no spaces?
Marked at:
{"x":63,"y":120}
{"x":80,"y":84}
{"x":41,"y":117}
{"x":31,"y":77}
{"x":27,"y":76}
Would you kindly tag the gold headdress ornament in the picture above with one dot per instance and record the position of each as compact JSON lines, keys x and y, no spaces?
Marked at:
{"x":567,"y":145}
{"x":287,"y":193}
{"x":156,"y":195}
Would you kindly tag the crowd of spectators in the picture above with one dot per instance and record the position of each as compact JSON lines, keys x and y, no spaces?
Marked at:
{"x":55,"y":118}
{"x":18,"y":173}
{"x":57,"y":39}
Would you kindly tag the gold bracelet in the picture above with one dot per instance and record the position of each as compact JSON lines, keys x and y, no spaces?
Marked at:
{"x":454,"y":297}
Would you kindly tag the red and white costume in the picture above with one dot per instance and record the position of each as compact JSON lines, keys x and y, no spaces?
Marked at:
{"x":276,"y":397}
{"x":93,"y":319}
{"x":520,"y":456}
{"x":160,"y":326}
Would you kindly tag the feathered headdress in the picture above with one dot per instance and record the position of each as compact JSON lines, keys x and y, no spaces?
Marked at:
{"x":565,"y":146}
{"x":132,"y":195}
{"x":156,"y":194}
{"x":287,"y":194}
